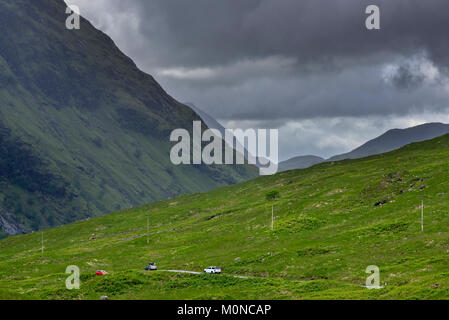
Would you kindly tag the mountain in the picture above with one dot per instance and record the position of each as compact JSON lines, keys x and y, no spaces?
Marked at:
{"x":332,"y":221}
{"x":83,"y":131}
{"x":214,"y":124}
{"x":207,"y":119}
{"x":300,"y":162}
{"x":394,"y":139}
{"x":390,"y":140}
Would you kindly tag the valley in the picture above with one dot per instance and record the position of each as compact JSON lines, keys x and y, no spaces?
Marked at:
{"x":328,"y":228}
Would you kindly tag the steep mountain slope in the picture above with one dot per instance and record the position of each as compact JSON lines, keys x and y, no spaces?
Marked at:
{"x":300,"y":162}
{"x":83,"y":131}
{"x":394,"y":139}
{"x":332,"y":221}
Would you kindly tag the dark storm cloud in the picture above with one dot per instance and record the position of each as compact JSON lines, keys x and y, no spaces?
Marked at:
{"x":353,"y":92}
{"x":405,"y":78}
{"x":293,"y":64}
{"x":207,"y":33}
{"x":261,"y":59}
{"x":283,"y":59}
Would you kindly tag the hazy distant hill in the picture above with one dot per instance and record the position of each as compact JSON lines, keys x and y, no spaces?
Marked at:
{"x":83,"y":131}
{"x":395,"y":139}
{"x":214,"y":124}
{"x":300,"y":162}
{"x":390,"y":140}
{"x":208,"y":120}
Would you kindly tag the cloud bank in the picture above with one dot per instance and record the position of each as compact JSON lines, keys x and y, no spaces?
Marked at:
{"x":293,"y":65}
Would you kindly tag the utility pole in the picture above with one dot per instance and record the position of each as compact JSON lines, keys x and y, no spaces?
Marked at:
{"x":422,"y":215}
{"x":148,"y":229}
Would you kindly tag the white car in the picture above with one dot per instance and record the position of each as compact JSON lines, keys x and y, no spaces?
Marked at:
{"x":212,"y":270}
{"x":151,"y":266}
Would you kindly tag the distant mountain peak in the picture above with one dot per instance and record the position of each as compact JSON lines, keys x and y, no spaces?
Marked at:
{"x":395,"y":139}
{"x":390,"y":140}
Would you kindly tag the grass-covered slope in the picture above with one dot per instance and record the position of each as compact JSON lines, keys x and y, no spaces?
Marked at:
{"x":329,"y":227}
{"x":83,"y":131}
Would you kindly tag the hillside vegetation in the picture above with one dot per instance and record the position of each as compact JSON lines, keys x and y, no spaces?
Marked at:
{"x":331,"y":222}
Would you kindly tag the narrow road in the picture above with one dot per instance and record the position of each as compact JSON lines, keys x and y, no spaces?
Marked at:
{"x":195,"y":272}
{"x":182,"y":271}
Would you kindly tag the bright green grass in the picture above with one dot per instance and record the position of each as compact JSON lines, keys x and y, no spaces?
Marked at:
{"x":327,"y":231}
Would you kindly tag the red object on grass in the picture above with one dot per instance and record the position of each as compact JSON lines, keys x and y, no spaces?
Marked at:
{"x":101,"y":273}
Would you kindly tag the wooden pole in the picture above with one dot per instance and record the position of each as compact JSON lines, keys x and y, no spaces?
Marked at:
{"x":422,"y":215}
{"x":148,"y":229}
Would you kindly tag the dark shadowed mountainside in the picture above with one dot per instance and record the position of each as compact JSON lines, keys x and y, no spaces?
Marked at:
{"x":83,"y":131}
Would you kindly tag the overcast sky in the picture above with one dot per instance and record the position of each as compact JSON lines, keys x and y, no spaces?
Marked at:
{"x":307,"y":67}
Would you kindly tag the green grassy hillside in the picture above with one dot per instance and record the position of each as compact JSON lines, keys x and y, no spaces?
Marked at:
{"x":329,"y":226}
{"x":83,"y":131}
